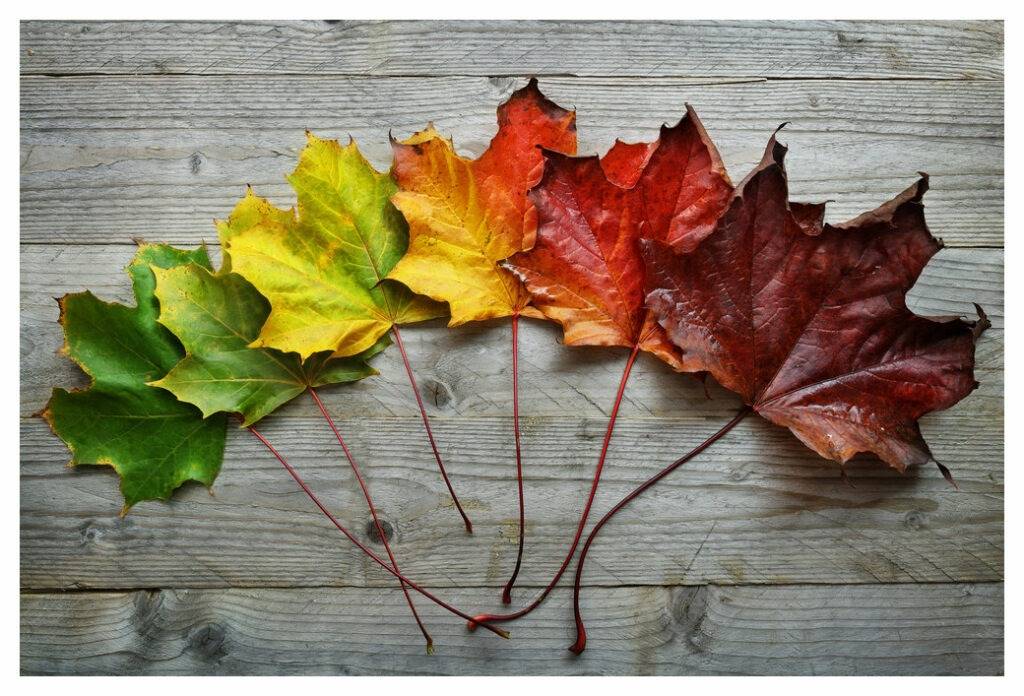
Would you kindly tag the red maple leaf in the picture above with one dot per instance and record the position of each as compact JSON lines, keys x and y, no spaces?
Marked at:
{"x":808,"y":322}
{"x":585,"y":270}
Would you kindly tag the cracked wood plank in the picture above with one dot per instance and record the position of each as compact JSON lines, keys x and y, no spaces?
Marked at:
{"x":760,"y":506}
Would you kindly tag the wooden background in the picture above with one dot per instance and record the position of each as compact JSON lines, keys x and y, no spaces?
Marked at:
{"x":755,"y":558}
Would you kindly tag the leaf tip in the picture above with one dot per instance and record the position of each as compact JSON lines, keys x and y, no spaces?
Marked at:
{"x":946,"y":474}
{"x":981,"y":323}
{"x":921,"y":187}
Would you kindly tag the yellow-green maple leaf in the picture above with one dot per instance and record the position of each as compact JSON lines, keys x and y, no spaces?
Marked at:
{"x":216,"y":316}
{"x":323,"y":266}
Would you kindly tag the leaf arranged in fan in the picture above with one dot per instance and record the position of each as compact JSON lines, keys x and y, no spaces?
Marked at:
{"x":323,"y":269}
{"x":216,"y":317}
{"x":465,"y":216}
{"x":808,"y":322}
{"x":585,"y":270}
{"x":153,"y":441}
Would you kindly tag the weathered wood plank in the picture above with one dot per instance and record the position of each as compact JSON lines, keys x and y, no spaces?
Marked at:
{"x":948,"y":50}
{"x":465,"y":372}
{"x":948,"y":629}
{"x":757,"y":508}
{"x":106,"y":160}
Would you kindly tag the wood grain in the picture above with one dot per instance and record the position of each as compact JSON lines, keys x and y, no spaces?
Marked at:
{"x":106,"y":160}
{"x":952,"y":629}
{"x":945,"y":50}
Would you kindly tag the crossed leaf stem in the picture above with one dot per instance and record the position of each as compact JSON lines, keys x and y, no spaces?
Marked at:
{"x":373,"y":513}
{"x":484,"y":618}
{"x":362,"y":547}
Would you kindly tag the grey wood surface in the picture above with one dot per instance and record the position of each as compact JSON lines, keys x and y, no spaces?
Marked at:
{"x":937,"y":50}
{"x":756,"y":558}
{"x":780,"y":629}
{"x":103,"y":158}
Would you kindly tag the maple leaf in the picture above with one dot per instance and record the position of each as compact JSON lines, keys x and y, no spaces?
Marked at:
{"x":153,"y":441}
{"x":585,"y":270}
{"x":216,"y":317}
{"x":808,"y":322}
{"x":323,"y":268}
{"x":465,"y":216}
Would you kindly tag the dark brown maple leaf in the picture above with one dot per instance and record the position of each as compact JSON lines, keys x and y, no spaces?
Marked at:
{"x":808,"y":322}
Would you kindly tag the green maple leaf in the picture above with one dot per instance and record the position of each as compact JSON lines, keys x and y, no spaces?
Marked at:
{"x":324,"y":267}
{"x":216,"y":317}
{"x":153,"y":441}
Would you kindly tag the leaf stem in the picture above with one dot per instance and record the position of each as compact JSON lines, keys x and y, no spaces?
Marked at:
{"x":506,"y":595}
{"x":373,"y":513}
{"x":581,"y":634}
{"x":362,"y":547}
{"x":586,"y":509}
{"x":426,"y":425}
